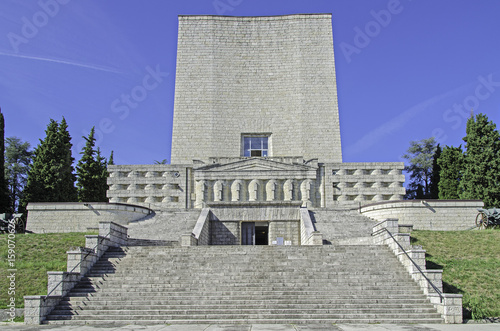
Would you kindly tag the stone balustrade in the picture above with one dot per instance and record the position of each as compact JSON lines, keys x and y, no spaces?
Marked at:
{"x":157,"y":185}
{"x":207,"y":191}
{"x":241,"y":179}
{"x":364,"y":183}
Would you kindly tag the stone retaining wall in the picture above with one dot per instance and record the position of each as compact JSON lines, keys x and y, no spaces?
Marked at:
{"x":438,"y":215}
{"x":79,"y":216}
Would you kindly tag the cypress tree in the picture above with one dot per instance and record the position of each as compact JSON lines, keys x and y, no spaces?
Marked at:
{"x":51,"y":177}
{"x":103,"y":179}
{"x":43,"y":174}
{"x":451,"y":163}
{"x":481,"y":175}
{"x":111,"y":161}
{"x":435,"y":177}
{"x":67,"y":190}
{"x":5,"y":206}
{"x":92,"y":173}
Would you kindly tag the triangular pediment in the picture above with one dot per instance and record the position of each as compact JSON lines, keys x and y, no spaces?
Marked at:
{"x":256,"y":165}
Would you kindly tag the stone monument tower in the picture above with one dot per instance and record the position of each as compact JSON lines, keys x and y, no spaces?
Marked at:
{"x":256,"y":86}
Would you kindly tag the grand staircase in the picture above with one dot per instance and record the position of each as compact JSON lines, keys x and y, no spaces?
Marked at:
{"x":246,"y":284}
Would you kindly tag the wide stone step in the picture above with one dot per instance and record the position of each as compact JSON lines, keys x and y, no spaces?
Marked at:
{"x":118,"y":305}
{"x":250,"y":321}
{"x":346,"y":300}
{"x":271,"y":277}
{"x":254,"y":287}
{"x":256,"y":316}
{"x":194,"y":311}
{"x":252,"y":284}
{"x":250,"y":296}
{"x":243,"y":267}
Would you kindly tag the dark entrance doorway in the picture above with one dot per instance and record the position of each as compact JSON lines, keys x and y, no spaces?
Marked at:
{"x":261,"y":234}
{"x":254,"y":233}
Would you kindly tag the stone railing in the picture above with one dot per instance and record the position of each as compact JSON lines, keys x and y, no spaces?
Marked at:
{"x":413,"y":259}
{"x":308,"y":236}
{"x":80,"y":261}
{"x":201,"y":231}
{"x":363,"y":183}
{"x":254,"y":190}
{"x":153,"y":185}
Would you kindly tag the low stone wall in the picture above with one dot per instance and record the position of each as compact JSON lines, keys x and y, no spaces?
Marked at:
{"x":438,"y":215}
{"x":308,"y":235}
{"x":79,"y":216}
{"x":412,"y":258}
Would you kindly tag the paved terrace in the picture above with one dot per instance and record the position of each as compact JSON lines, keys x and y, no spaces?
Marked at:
{"x":262,"y":327}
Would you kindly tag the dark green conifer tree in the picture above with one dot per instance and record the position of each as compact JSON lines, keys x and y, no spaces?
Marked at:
{"x":67,"y":189}
{"x":451,"y":163}
{"x":435,"y":176}
{"x":5,"y":205}
{"x":111,"y":161}
{"x":51,"y":177}
{"x":43,"y":174}
{"x":92,"y":173}
{"x":481,"y":175}
{"x":103,"y":179}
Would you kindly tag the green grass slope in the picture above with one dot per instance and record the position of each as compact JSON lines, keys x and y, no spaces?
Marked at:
{"x":35,"y":254}
{"x":471,"y":266}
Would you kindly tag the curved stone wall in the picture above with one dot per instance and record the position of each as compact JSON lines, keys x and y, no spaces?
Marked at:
{"x":79,"y":216}
{"x":439,"y":215}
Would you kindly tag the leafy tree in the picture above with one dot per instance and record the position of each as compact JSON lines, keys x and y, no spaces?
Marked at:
{"x":5,"y":205}
{"x":17,"y":164}
{"x":51,"y":178}
{"x":164,"y":161}
{"x":91,"y":172}
{"x":420,"y":157}
{"x":481,"y":175}
{"x":451,"y":163}
{"x":435,"y":177}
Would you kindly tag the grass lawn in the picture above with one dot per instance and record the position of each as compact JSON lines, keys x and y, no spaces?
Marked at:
{"x":35,"y":254}
{"x":471,"y":263}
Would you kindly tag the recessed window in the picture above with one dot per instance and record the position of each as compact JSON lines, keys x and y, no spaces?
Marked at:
{"x":255,"y":146}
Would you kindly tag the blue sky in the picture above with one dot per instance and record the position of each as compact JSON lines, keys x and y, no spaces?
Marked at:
{"x":406,"y":70}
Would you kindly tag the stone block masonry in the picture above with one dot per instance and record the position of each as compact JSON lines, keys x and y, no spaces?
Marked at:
{"x":438,"y":215}
{"x":156,"y":186}
{"x":273,"y":76}
{"x":79,"y":216}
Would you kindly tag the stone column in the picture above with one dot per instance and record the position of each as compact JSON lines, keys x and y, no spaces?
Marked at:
{"x":288,"y":190}
{"x":200,"y":192}
{"x":218,"y":191}
{"x":271,"y":187}
{"x":305,"y":191}
{"x":253,"y":189}
{"x":236,"y":191}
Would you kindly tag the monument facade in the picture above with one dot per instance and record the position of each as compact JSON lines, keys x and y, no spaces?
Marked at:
{"x":256,"y":127}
